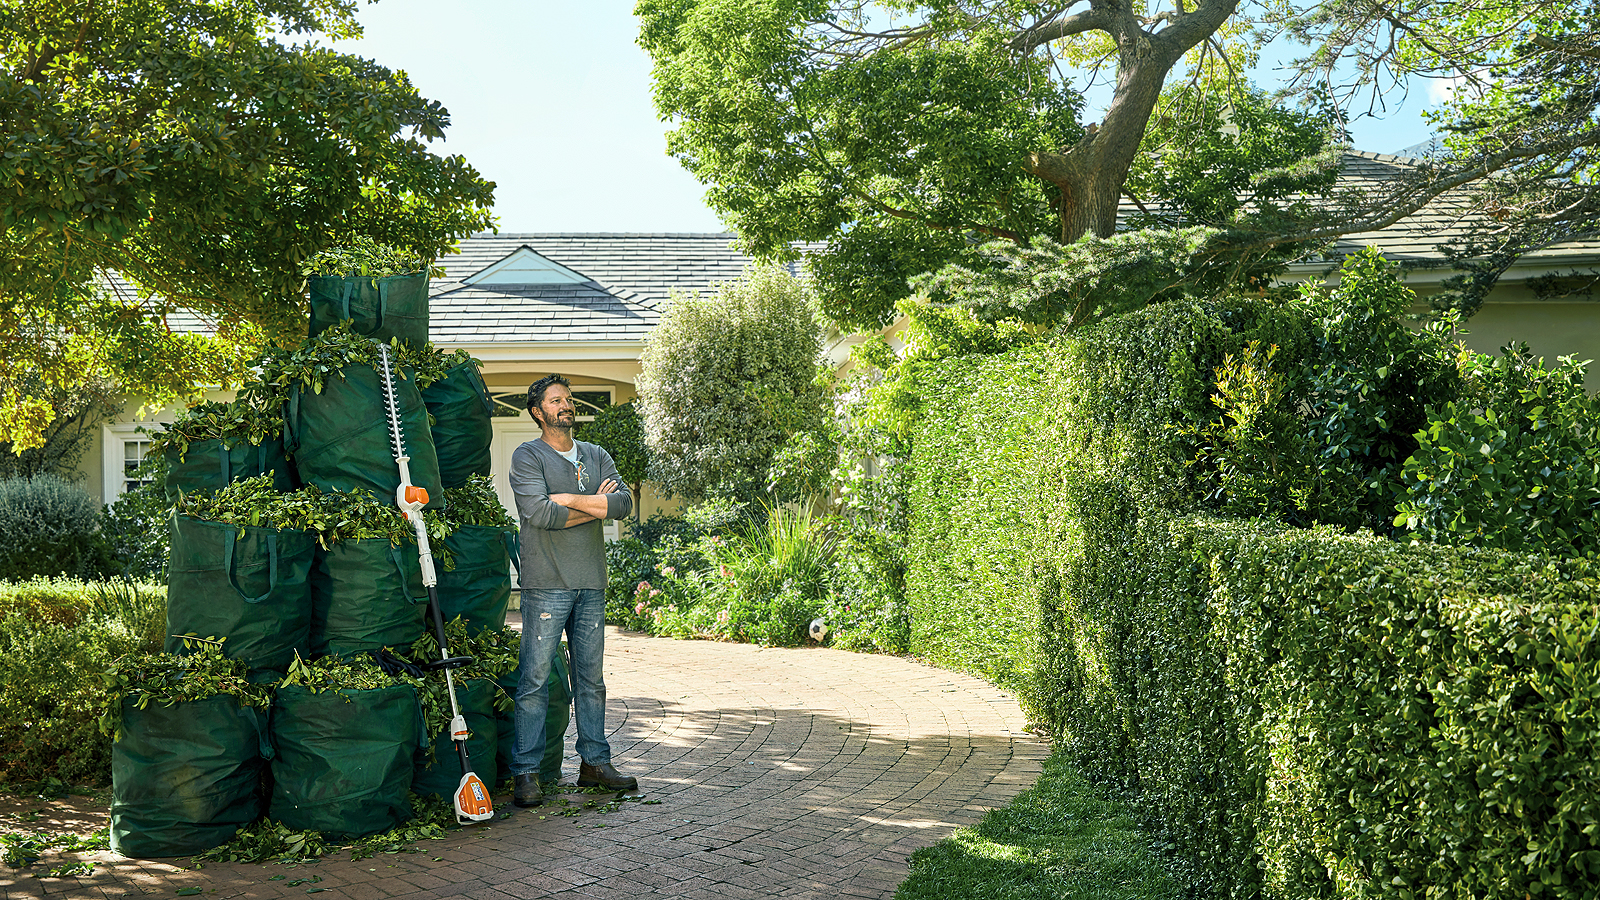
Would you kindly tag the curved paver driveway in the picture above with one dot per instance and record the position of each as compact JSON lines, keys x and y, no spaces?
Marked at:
{"x":779,"y":773}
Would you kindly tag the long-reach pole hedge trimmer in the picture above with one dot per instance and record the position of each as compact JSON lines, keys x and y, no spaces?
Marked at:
{"x":472,"y":801}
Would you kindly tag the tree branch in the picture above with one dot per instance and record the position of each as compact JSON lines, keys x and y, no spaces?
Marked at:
{"x":1077,"y":23}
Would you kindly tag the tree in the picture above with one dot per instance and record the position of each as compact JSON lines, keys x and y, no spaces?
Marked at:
{"x":620,"y":431}
{"x":899,"y":144}
{"x":190,"y":146}
{"x":897,"y":136}
{"x":726,"y":381}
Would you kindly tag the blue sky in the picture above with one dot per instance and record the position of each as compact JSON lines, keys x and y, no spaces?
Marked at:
{"x":551,"y":100}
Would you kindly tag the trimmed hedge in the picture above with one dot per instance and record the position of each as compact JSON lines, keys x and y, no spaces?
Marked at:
{"x":1304,"y":713}
{"x":1021,"y":458}
{"x":1314,"y":714}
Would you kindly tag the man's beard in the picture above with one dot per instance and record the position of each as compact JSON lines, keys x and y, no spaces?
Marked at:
{"x":561,"y":423}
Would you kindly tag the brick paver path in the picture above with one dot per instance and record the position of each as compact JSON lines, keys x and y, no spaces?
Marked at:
{"x":765,"y":773}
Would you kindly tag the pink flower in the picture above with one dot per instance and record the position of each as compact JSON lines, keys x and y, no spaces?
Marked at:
{"x":643,"y":586}
{"x":639,"y":609}
{"x":723,"y":570}
{"x":722,"y":617}
{"x":655,"y":593}
{"x":669,"y":571}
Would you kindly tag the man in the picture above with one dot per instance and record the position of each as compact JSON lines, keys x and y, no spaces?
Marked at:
{"x":564,"y":488}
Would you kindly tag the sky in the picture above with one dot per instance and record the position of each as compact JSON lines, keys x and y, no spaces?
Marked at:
{"x":550,"y":99}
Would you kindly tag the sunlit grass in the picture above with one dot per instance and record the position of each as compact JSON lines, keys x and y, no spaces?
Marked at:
{"x":1063,"y":839}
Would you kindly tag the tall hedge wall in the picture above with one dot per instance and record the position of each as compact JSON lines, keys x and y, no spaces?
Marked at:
{"x":1307,"y":713}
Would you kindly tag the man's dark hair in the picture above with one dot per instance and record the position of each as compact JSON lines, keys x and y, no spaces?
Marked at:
{"x":536,"y":391}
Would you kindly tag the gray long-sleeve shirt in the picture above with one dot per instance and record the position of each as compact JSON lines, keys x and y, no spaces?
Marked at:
{"x":554,"y":556}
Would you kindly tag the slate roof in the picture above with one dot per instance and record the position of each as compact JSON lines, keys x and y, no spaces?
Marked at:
{"x":632,"y":277}
{"x":1415,"y":238}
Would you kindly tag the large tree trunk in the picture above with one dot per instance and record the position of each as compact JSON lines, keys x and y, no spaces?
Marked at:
{"x":1091,"y":173}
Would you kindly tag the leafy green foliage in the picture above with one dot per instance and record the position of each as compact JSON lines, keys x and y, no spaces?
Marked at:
{"x":70,"y":421}
{"x":1065,"y":838}
{"x":312,"y":362}
{"x":475,"y":503}
{"x":891,"y":158}
{"x":1515,"y":464}
{"x":23,"y":849}
{"x":57,"y":638}
{"x":771,"y":577}
{"x":250,"y":419}
{"x":49,"y":526}
{"x":726,"y":380}
{"x":364,"y":257}
{"x":1045,"y":283}
{"x":145,"y":678}
{"x":1369,"y":383}
{"x":1230,"y":156}
{"x":334,"y":515}
{"x":201,"y":151}
{"x":134,"y":526}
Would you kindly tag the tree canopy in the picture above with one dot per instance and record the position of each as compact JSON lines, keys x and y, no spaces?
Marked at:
{"x":202,"y":150}
{"x":895,"y":137}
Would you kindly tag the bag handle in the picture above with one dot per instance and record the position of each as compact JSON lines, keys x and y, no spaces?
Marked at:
{"x":405,"y":577}
{"x":272,"y":566}
{"x":514,"y":548}
{"x":475,"y":378}
{"x":347,"y":289}
{"x":291,"y":414}
{"x":383,"y":304}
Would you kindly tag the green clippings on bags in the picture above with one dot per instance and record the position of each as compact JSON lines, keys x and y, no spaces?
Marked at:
{"x":165,"y":679}
{"x":365,"y":257}
{"x":252,"y":418}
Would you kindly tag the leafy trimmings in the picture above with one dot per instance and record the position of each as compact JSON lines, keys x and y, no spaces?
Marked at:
{"x":364,"y":257}
{"x":326,"y":354}
{"x":476,"y":503}
{"x":356,"y":515}
{"x":494,"y":652}
{"x":335,"y":673}
{"x":436,"y":364}
{"x":163,"y":678}
{"x":251,"y":419}
{"x":253,"y":502}
{"x":335,"y":516}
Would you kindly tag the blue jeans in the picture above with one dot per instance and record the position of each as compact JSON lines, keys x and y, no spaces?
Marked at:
{"x":545,"y":615}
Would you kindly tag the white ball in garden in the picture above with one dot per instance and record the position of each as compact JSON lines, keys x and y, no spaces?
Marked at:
{"x":818,"y":630}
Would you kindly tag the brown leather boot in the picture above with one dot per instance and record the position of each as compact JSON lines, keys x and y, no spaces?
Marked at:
{"x":606,"y":776}
{"x":527,"y":791}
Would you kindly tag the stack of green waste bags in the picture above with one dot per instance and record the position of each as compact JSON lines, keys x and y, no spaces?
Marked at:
{"x":189,"y":747}
{"x":481,"y":699}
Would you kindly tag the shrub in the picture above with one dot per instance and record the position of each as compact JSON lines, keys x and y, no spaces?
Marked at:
{"x":771,"y":578}
{"x":49,"y":526}
{"x":726,"y":380}
{"x":866,"y":607}
{"x":135,"y":530}
{"x":1515,"y":465}
{"x":57,"y":637}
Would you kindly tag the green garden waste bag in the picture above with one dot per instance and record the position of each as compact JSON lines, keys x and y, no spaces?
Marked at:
{"x":392,"y":307}
{"x":186,"y":777}
{"x":462,"y":423}
{"x":439,"y":765}
{"x":478,"y":589}
{"x":248,"y":585}
{"x":558,"y":712}
{"x":211,"y":465}
{"x":339,"y":438}
{"x":343,"y":758}
{"x":366,"y":594}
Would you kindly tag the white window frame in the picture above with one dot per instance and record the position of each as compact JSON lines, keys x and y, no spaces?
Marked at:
{"x":113,"y":449}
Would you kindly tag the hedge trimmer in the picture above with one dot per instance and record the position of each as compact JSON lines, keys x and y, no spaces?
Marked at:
{"x":472,"y":801}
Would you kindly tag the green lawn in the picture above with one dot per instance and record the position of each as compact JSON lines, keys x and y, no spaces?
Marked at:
{"x":1063,"y":839}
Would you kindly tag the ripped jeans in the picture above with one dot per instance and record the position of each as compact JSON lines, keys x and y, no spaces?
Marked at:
{"x":545,"y":615}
